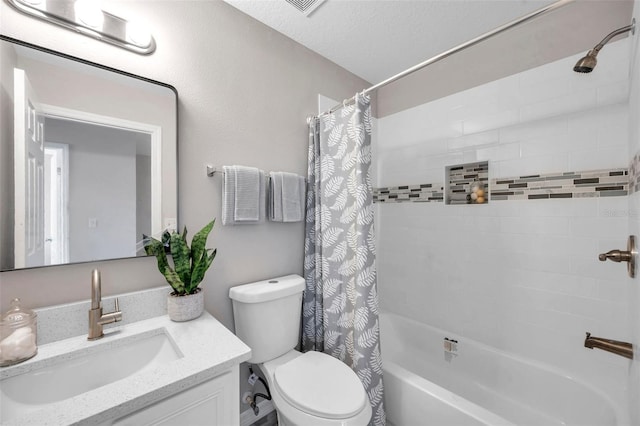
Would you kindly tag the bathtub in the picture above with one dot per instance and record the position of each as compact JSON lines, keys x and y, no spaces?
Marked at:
{"x":478,"y":386}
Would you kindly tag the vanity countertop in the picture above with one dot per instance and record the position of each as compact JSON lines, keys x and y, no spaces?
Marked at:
{"x":208,"y":349}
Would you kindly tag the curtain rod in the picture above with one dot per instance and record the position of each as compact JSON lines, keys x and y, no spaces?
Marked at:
{"x":558,"y":4}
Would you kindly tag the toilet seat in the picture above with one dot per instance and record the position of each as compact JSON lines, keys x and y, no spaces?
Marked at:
{"x":320,"y":385}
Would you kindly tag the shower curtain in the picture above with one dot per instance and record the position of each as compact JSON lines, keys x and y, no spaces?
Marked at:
{"x":340,"y":307}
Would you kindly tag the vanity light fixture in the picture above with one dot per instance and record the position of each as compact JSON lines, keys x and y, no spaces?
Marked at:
{"x":86,"y":17}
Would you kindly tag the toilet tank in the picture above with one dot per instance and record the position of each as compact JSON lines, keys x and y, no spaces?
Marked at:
{"x":267,"y":315}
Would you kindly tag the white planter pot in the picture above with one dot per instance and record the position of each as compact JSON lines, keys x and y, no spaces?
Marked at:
{"x":187,"y":307}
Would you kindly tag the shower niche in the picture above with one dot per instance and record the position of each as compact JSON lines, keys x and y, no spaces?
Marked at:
{"x":467,"y":183}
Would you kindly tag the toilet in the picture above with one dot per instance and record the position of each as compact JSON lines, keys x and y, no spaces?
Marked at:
{"x":310,"y":388}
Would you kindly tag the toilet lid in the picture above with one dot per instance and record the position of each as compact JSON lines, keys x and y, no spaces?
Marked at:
{"x":321,"y":385}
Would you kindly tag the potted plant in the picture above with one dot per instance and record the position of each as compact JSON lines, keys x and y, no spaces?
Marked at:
{"x":186,"y":301}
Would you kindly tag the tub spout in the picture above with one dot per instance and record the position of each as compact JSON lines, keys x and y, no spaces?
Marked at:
{"x":614,"y":346}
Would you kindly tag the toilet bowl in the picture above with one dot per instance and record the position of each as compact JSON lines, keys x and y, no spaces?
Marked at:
{"x":310,"y":388}
{"x":314,"y":388}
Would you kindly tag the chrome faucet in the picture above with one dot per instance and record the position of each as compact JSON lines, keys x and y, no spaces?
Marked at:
{"x":614,"y":346}
{"x":96,"y":318}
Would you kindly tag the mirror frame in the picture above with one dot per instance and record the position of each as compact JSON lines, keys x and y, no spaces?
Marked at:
{"x":125,"y":74}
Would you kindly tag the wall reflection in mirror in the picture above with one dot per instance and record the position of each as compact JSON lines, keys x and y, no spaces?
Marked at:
{"x":87,"y":160}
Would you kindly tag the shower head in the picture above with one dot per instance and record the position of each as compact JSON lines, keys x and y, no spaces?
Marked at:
{"x":589,"y":61}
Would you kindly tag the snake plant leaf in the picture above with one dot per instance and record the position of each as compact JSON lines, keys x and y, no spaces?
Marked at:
{"x":150,"y":245}
{"x":181,"y":258}
{"x":201,"y":267}
{"x":173,"y":279}
{"x":198,"y":243}
{"x":166,"y":241}
{"x":156,"y":248}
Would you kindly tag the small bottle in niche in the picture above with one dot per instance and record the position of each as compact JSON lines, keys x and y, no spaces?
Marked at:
{"x":477,"y":194}
{"x":18,"y":328}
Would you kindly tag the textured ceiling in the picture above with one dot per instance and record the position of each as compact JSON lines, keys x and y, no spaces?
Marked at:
{"x":376,"y":39}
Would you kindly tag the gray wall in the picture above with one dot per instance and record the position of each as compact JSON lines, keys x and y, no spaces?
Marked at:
{"x":102,"y":168}
{"x":244,"y":94}
{"x":102,"y":186}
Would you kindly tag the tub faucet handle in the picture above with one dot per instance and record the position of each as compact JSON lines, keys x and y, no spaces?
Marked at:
{"x":615,"y":256}
{"x":629,"y":255}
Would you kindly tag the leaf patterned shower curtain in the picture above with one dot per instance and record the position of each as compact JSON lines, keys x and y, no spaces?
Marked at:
{"x":340,"y":307}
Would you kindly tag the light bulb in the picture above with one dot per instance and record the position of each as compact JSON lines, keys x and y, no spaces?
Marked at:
{"x":138,"y":35}
{"x":88,"y":12}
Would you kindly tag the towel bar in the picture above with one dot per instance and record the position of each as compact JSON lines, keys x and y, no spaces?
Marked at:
{"x":213,"y":170}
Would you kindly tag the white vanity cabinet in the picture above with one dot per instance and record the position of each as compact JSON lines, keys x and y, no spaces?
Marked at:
{"x":149,"y":372}
{"x":213,"y":402}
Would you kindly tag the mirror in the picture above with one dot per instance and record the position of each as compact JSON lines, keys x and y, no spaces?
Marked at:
{"x":88,"y":159}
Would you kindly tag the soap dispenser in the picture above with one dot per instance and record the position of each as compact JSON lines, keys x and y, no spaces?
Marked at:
{"x":18,"y":328}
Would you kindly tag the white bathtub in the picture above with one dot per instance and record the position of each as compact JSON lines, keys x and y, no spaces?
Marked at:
{"x":479,"y":386}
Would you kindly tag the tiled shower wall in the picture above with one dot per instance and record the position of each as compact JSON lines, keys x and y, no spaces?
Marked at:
{"x":519,"y":275}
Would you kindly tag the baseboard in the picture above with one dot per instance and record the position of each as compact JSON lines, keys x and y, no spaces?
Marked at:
{"x":247,"y":417}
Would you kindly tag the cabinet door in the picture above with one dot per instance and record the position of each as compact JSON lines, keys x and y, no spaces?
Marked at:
{"x":214,"y":402}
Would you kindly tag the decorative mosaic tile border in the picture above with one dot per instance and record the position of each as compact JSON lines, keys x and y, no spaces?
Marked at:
{"x":596,"y":183}
{"x":634,"y":174}
{"x":425,"y":193}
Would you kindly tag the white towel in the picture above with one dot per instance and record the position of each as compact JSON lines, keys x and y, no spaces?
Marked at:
{"x":264,"y":192}
{"x":287,"y":192}
{"x":229,"y":198}
{"x":247,"y":190}
{"x":291,"y":202}
{"x":275,"y":197}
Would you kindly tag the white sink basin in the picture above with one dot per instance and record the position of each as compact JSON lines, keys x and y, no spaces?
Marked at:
{"x":83,"y":370}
